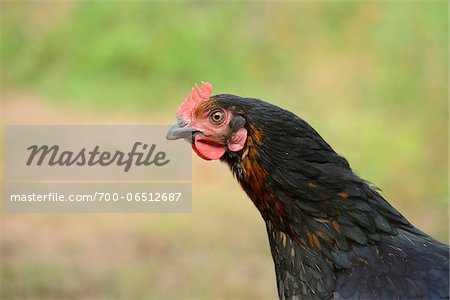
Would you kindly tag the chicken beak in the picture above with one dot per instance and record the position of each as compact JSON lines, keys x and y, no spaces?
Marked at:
{"x":177,"y":132}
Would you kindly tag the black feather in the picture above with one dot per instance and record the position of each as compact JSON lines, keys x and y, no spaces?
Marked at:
{"x":332,"y":235}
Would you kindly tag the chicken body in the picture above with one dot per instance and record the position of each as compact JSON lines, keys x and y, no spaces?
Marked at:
{"x":332,"y":235}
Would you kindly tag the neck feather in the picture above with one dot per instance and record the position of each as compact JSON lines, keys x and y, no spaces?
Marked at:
{"x":314,"y":207}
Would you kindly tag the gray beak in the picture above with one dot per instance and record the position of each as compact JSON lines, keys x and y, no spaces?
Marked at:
{"x":176,"y":132}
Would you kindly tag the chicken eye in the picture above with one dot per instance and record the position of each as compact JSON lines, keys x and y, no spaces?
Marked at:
{"x":217,"y":117}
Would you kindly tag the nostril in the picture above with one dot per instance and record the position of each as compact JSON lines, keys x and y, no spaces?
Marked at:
{"x":181,"y":122}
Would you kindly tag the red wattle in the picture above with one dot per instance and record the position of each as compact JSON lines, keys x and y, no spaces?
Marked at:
{"x":208,"y":150}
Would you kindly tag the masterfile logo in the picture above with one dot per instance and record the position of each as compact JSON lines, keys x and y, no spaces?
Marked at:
{"x":108,"y":168}
{"x":53,"y":156}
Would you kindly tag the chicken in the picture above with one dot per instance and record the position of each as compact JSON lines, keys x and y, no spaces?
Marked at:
{"x":331,"y":234}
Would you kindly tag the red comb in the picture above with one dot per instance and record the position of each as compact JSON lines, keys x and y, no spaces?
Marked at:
{"x":196,"y":95}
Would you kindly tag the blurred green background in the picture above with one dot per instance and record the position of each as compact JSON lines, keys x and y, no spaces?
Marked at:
{"x":370,"y":76}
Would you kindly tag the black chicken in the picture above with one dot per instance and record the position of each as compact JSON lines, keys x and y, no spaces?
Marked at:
{"x":332,"y":235}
